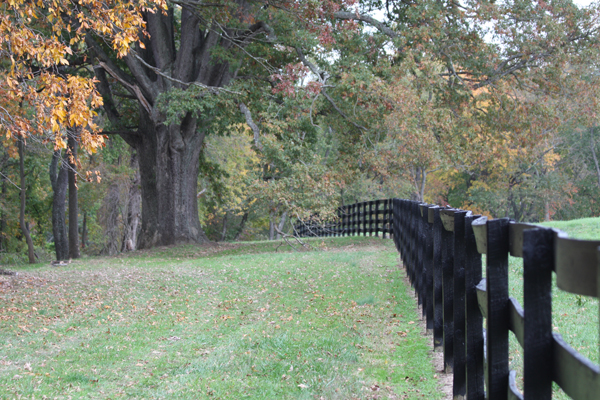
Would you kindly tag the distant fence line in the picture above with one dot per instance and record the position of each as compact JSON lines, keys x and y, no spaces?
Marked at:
{"x":441,"y":249}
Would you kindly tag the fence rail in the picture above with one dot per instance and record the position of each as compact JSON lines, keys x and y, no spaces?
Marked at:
{"x":370,"y":217}
{"x":441,"y":249}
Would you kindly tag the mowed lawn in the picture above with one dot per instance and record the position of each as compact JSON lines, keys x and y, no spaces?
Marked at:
{"x":218,"y":322}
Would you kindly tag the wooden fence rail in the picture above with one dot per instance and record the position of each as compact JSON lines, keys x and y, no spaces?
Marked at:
{"x":441,"y":249}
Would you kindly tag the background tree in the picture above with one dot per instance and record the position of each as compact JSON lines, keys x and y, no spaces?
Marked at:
{"x":59,"y":181}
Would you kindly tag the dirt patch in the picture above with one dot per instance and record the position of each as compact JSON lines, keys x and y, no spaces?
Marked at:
{"x":445,"y":380}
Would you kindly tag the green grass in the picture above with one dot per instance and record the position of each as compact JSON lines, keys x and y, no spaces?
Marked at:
{"x":585,"y":228}
{"x":574,"y":317}
{"x":219,"y":322}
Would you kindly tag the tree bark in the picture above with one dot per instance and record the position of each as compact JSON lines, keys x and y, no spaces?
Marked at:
{"x":242,"y":225}
{"x":169,"y":159}
{"x":281,"y":224}
{"x":3,"y":220}
{"x":73,"y":206}
{"x":169,"y":155}
{"x":24,"y":228}
{"x":272,"y":226}
{"x":133,"y":210}
{"x":84,"y":230}
{"x":224,"y":231}
{"x":593,"y":147}
{"x":58,"y":179}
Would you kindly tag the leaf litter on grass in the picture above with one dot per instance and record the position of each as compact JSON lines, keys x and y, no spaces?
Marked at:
{"x":315,"y":324}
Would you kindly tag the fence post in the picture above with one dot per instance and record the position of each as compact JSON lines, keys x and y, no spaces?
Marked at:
{"x":419,"y":245}
{"x":370,"y":218}
{"x":412,"y":239}
{"x":497,"y":310}
{"x":448,"y":297}
{"x":474,"y":319}
{"x":538,"y":261}
{"x":364,"y":218}
{"x":396,"y":222}
{"x":459,"y":388}
{"x":424,"y":246}
{"x":344,"y":220}
{"x":438,"y":310}
{"x":377,"y":202}
{"x":358,"y":218}
{"x":385,"y":222}
{"x":428,"y":266}
{"x":351,"y":220}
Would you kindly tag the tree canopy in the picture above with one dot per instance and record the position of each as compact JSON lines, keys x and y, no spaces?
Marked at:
{"x":475,"y":102}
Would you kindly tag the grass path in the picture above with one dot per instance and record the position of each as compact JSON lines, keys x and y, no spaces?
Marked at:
{"x":228,"y":322}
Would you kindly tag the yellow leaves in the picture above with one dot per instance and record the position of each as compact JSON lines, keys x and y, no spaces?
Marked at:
{"x":551,"y":159}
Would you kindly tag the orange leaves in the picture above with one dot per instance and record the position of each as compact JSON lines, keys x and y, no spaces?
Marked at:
{"x":37,"y":38}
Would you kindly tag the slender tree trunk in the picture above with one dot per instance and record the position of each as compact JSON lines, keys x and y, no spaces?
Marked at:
{"x":272,"y":226}
{"x":73,"y":207}
{"x":224,"y":231}
{"x":110,"y":215}
{"x":24,"y":228}
{"x":84,"y":230}
{"x":281,"y":224}
{"x":3,"y":220}
{"x":58,"y":179}
{"x":593,"y":147}
{"x":242,"y":225}
{"x":423,"y":182}
{"x":133,"y":210}
{"x":419,"y":180}
{"x":169,"y":162}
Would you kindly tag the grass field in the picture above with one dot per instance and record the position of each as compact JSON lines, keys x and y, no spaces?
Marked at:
{"x":574,"y":317}
{"x":218,"y":322}
{"x":251,"y":320}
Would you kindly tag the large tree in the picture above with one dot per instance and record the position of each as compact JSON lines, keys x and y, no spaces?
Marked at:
{"x":190,"y":53}
{"x":172,"y":72}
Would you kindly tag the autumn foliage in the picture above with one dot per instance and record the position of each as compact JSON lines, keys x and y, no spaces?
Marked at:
{"x":46,"y":81}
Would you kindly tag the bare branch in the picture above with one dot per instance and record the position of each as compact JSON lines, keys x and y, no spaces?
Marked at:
{"x":323,"y":76}
{"x":133,"y":88}
{"x":251,"y":124}
{"x":211,"y":89}
{"x":348,"y":15}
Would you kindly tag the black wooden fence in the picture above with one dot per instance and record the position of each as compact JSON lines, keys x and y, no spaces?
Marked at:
{"x":441,"y":249}
{"x":368,"y":218}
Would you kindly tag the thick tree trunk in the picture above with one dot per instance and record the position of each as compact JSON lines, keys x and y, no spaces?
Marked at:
{"x":58,"y":179}
{"x":24,"y":227}
{"x":169,"y":162}
{"x":73,"y":207}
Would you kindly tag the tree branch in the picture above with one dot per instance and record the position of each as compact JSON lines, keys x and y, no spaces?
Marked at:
{"x":132,"y":88}
{"x":211,"y":89}
{"x":252,"y":125}
{"x":347,"y":15}
{"x":323,"y":77}
{"x":593,"y":147}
